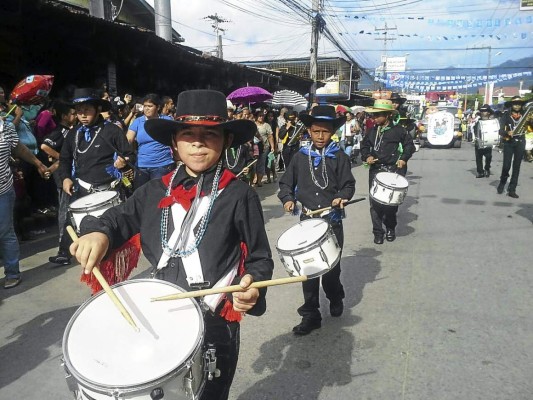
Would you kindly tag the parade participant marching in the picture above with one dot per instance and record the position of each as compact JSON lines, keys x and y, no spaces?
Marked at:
{"x":289,"y":134}
{"x":514,"y":145}
{"x":485,"y":114}
{"x":237,"y":159}
{"x":199,"y":224}
{"x":52,"y":144}
{"x":320,"y":176}
{"x":386,"y":147}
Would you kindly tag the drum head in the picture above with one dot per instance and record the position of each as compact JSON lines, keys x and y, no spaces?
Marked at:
{"x":391,"y":179}
{"x":303,"y":234}
{"x":93,"y":199}
{"x":101,"y":348}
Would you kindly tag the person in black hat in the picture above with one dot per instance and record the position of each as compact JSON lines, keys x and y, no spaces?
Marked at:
{"x":323,"y":176}
{"x":482,"y":149}
{"x":386,"y":147}
{"x":199,"y":225}
{"x":514,"y":145}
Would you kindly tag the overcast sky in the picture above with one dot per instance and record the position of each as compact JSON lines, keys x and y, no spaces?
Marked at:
{"x":434,"y":33}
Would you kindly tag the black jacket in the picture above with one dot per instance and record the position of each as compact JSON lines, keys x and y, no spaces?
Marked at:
{"x":386,"y":147}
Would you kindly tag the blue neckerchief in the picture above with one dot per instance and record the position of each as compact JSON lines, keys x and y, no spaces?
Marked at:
{"x":86,"y":130}
{"x":330,"y":151}
{"x":112,"y":170}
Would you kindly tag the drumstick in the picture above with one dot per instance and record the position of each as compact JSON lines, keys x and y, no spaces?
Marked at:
{"x":99,"y":277}
{"x":320,"y":210}
{"x":231,"y":289}
{"x":248,"y":166}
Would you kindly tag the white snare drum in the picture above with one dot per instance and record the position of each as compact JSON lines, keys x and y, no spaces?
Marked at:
{"x":389,"y":188}
{"x":94,"y":204}
{"x":309,"y":248}
{"x":489,"y":132}
{"x":105,"y":358}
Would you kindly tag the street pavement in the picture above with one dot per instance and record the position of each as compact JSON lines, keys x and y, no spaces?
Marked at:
{"x":444,"y":312}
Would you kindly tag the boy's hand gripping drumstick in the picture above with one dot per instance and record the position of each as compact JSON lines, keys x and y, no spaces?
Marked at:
{"x":231,"y":289}
{"x":99,"y":277}
{"x":321,"y":210}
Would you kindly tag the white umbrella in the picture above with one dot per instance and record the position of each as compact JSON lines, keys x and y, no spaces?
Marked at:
{"x":288,"y":98}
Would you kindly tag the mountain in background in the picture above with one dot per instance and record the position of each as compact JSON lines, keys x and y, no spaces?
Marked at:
{"x":508,"y":67}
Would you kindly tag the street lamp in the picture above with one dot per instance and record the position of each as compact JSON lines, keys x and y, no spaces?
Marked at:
{"x":488,"y":96}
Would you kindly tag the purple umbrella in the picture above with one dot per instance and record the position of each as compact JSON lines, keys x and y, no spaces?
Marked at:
{"x":249,"y":94}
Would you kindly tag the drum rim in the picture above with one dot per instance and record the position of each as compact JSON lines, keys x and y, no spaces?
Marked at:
{"x":319,"y":242}
{"x":394,"y":187}
{"x":106,"y":389}
{"x":299,"y":223}
{"x":72,"y":208}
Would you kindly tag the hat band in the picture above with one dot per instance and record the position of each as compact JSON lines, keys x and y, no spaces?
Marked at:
{"x":84,"y":99}
{"x":199,"y":119}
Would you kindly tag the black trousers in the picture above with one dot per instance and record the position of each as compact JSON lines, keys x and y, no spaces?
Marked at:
{"x":380,"y":213}
{"x":480,"y":152}
{"x":331,"y":283}
{"x":289,"y":152}
{"x":513,"y":153}
{"x":224,"y":336}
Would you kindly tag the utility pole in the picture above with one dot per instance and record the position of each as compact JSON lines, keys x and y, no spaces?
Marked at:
{"x":385,"y":40}
{"x":216,"y":20}
{"x":488,"y":85}
{"x":313,"y":64}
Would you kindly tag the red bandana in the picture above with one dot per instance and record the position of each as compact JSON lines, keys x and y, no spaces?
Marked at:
{"x":185,"y":197}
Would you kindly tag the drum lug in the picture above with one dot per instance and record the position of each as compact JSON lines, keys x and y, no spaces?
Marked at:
{"x":323,"y":256}
{"x":211,"y":364}
{"x":297,"y":266}
{"x":188,"y":381}
{"x":71,"y":382}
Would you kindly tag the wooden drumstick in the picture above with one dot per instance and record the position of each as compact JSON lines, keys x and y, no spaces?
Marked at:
{"x":248,"y":166}
{"x":100,"y":278}
{"x":320,"y":210}
{"x":231,"y":289}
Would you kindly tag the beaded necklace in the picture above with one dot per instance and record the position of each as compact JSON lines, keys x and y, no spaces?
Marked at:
{"x":230,"y":166}
{"x":324,"y":171}
{"x":77,"y":141}
{"x":184,"y":252}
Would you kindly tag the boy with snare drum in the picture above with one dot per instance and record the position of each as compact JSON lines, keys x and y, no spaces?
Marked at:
{"x":199,"y":224}
{"x":319,"y":176}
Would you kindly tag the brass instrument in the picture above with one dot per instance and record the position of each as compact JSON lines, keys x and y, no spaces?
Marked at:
{"x":298,"y":130}
{"x":521,"y":128}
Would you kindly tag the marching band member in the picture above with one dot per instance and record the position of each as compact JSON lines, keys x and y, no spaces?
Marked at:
{"x":320,"y":174}
{"x":385,"y":147}
{"x":199,"y":224}
{"x":514,"y":145}
{"x":485,"y":113}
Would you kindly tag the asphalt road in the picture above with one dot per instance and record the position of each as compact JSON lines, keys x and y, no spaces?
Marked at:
{"x":444,"y":312}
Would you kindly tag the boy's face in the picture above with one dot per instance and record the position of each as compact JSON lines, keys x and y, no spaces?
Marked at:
{"x":321,"y":133}
{"x":200,"y":147}
{"x":87,"y":113}
{"x":70,"y":117}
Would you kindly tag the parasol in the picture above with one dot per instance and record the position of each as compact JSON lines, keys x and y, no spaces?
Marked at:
{"x":249,"y":94}
{"x":32,"y":90}
{"x":341,"y":109}
{"x":288,"y":98}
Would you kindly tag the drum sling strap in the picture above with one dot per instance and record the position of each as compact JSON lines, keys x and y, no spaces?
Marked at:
{"x":192,"y":263}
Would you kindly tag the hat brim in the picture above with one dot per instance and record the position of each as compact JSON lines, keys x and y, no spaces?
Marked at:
{"x":106,"y":105}
{"x":508,"y":104}
{"x":372,"y":110}
{"x":308,"y":120}
{"x":163,"y":130}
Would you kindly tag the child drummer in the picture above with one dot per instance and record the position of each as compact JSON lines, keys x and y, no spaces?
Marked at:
{"x":199,"y":224}
{"x":319,"y":176}
{"x":386,"y":147}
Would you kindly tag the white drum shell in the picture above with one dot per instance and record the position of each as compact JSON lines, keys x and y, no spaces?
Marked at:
{"x":94,"y":204}
{"x":529,"y":143}
{"x":309,"y":248}
{"x":489,"y":133}
{"x":107,"y":359}
{"x":389,"y":188}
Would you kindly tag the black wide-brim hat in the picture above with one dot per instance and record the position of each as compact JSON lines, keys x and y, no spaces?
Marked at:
{"x":201,"y":108}
{"x":514,"y":100}
{"x":396,"y":98}
{"x":486,"y":108}
{"x":89,"y":95}
{"x":323,"y":114}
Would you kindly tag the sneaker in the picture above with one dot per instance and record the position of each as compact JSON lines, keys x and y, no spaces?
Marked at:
{"x":480,"y":175}
{"x":306,"y":327}
{"x":500,"y":188}
{"x":487,"y":172}
{"x":378,"y":238}
{"x":11,"y":282}
{"x":61,"y":259}
{"x":336,"y":308}
{"x":513,"y":195}
{"x":391,"y":235}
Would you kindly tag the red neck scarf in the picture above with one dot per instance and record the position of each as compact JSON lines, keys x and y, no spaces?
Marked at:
{"x":183,"y":196}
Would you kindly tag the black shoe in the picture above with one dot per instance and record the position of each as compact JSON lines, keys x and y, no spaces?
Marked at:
{"x":378,"y":238}
{"x":500,"y":188}
{"x":336,"y":308}
{"x":480,"y":175}
{"x":391,"y":235}
{"x":513,"y":195}
{"x":306,"y":327}
{"x":487,"y":172}
{"x":60,"y":259}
